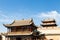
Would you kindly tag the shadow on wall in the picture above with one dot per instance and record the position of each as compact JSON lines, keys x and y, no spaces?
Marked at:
{"x":0,"y":37}
{"x":42,"y":37}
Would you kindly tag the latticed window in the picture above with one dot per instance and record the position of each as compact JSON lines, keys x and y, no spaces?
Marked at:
{"x":30,"y":29}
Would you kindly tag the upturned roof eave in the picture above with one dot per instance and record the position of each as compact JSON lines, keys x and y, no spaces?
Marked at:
{"x":14,"y":25}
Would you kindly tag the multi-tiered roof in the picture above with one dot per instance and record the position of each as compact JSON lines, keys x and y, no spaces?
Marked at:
{"x":20,"y":27}
{"x":49,"y":23}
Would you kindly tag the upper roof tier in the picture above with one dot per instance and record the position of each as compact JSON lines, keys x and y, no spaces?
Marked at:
{"x":48,"y":20}
{"x":20,"y":23}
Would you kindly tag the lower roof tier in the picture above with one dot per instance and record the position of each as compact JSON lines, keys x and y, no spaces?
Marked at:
{"x":49,"y":25}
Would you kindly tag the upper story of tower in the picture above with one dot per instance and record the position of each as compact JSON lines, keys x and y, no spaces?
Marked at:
{"x":49,"y":22}
{"x":21,"y":25}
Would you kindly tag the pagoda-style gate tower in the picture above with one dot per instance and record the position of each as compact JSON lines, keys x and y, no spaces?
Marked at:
{"x":21,"y":30}
{"x":49,"y":29}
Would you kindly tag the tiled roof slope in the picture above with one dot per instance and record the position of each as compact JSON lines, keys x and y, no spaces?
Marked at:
{"x":19,"y":23}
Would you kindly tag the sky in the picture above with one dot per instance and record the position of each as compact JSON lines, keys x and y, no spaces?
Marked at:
{"x":25,"y":9}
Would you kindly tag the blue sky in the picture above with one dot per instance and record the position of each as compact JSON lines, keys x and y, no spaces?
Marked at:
{"x":24,"y":9}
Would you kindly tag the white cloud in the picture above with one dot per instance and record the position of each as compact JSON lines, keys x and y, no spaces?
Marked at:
{"x":50,"y":14}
